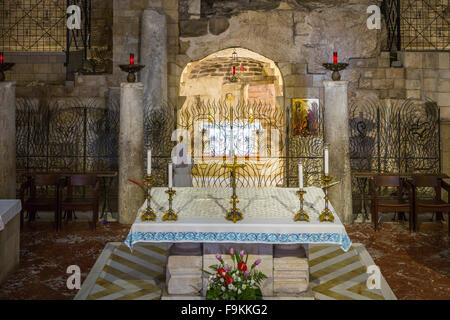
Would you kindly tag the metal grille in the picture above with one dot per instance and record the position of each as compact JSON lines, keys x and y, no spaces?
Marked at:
{"x":417,"y":25}
{"x":33,"y":25}
{"x":67,"y":135}
{"x":393,"y":137}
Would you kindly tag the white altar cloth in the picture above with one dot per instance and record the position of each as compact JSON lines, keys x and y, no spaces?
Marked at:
{"x":268,"y":218}
{"x":8,"y":210}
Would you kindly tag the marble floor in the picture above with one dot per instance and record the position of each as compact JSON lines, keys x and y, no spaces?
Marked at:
{"x":416,"y":266}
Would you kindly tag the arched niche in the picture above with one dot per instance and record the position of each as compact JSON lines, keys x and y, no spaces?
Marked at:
{"x":245,"y":106}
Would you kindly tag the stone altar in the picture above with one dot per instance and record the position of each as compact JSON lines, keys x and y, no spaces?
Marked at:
{"x":268,"y":231}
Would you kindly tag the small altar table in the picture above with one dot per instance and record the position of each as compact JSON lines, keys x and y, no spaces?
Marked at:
{"x":268,"y":218}
{"x":268,"y":232}
{"x":9,"y":237}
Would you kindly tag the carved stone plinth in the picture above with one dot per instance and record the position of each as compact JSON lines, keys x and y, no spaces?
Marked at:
{"x":286,"y":267}
{"x":290,"y":270}
{"x":184,"y":269}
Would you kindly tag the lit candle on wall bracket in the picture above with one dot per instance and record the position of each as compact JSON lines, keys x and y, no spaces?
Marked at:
{"x":242,"y":67}
{"x":335,"y":57}
{"x":234,"y":70}
{"x":131,"y":59}
{"x":2,"y":58}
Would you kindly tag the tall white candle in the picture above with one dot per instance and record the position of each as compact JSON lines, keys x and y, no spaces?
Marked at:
{"x":149,"y":161}
{"x":326,"y":162}
{"x":300,"y":175}
{"x":170,"y":175}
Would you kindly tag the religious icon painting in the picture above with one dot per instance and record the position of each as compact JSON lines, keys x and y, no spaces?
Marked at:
{"x":305,"y":117}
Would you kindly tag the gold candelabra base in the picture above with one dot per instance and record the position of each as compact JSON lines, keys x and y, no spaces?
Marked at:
{"x":327,"y":215}
{"x":234,"y":214}
{"x":170,"y":215}
{"x":301,"y":214}
{"x":149,"y":214}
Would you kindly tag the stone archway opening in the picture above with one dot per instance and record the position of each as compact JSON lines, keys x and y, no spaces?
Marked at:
{"x":232,"y":108}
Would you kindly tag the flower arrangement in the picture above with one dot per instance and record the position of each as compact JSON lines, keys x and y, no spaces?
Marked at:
{"x":237,"y":282}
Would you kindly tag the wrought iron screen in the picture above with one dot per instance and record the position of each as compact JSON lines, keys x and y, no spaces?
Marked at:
{"x":401,"y":136}
{"x":252,"y":131}
{"x":69,"y":135}
{"x":33,"y":25}
{"x":417,"y":25}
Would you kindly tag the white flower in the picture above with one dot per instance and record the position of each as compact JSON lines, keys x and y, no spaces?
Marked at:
{"x":252,"y":282}
{"x":244,"y":286}
{"x":221,"y":280}
{"x":230,"y":286}
{"x":239,"y":291}
{"x":209,"y":286}
{"x":223,"y":289}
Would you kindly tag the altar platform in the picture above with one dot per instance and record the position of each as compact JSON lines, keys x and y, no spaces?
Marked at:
{"x":267,"y":232}
{"x":268,"y":218}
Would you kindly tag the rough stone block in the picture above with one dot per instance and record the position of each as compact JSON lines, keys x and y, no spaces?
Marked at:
{"x":395,"y":73}
{"x":430,"y":60}
{"x":383,"y":83}
{"x":430,"y":84}
{"x":193,"y":28}
{"x":444,"y":85}
{"x":412,"y":59}
{"x":412,"y":84}
{"x":413,"y":94}
{"x":184,"y":285}
{"x":444,"y":99}
{"x":444,"y":60}
{"x":397,"y":93}
{"x":383,"y":62}
{"x":291,"y":274}
{"x":413,"y":74}
{"x":444,"y":74}
{"x":430,"y":73}
{"x":285,"y":286}
{"x":399,"y":83}
{"x":189,"y":265}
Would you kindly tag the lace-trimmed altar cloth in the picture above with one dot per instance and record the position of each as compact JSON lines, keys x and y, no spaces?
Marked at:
{"x":268,"y":218}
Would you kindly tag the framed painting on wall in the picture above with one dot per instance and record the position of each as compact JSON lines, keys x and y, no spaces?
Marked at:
{"x":305,"y":117}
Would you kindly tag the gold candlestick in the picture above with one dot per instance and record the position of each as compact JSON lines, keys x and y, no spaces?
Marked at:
{"x":327,"y":215}
{"x":301,"y":214}
{"x":170,"y":215}
{"x":149,"y":214}
{"x":234,"y":214}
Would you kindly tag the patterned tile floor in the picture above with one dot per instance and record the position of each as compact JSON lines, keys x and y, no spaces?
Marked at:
{"x":121,"y":275}
{"x":416,"y":266}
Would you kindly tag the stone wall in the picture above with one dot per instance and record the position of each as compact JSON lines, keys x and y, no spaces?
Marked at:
{"x":33,"y":67}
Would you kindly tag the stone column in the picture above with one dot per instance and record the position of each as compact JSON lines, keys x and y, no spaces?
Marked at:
{"x":336,"y":117}
{"x":8,"y":140}
{"x":153,"y":55}
{"x":131,"y":151}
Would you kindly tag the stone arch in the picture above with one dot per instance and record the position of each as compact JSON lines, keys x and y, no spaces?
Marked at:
{"x":207,"y":91}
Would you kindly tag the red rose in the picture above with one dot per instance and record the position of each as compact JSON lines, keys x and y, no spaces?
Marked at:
{"x":230,"y":280}
{"x":222,"y":273}
{"x":242,"y":266}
